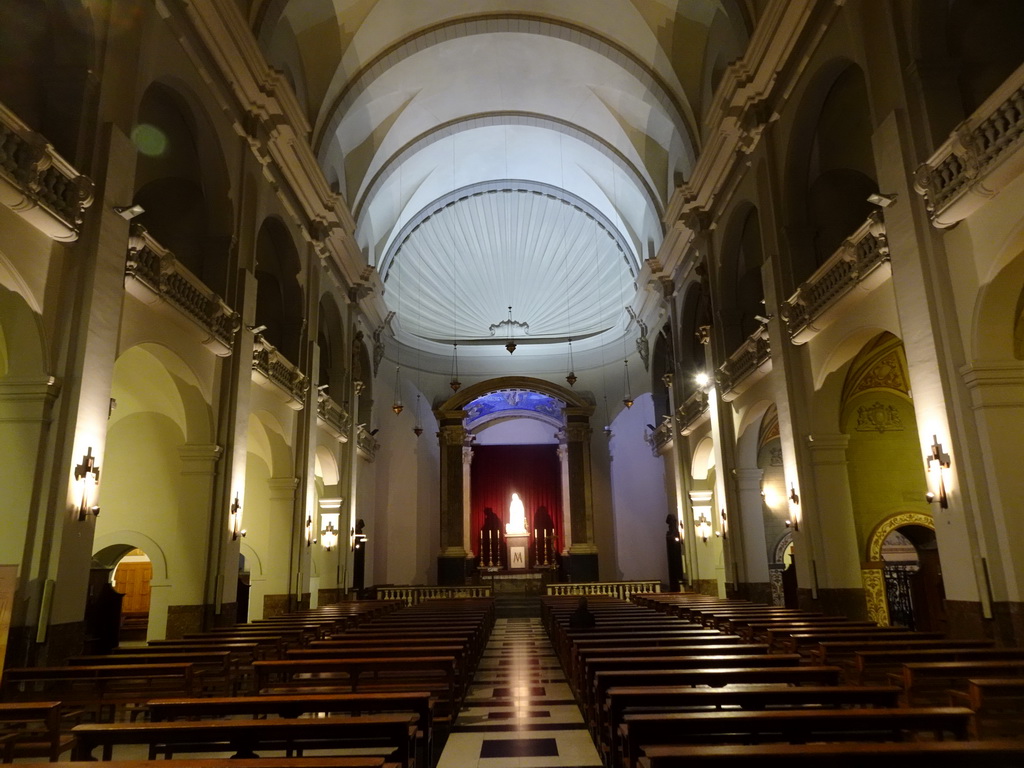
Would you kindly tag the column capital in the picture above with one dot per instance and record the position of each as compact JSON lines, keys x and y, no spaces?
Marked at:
{"x":749,"y":479}
{"x":577,"y":433}
{"x":828,"y":449}
{"x":452,"y":434}
{"x":199,"y":459}
{"x":282,"y":488}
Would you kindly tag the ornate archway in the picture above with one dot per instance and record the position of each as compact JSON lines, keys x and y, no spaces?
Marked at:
{"x":455,"y":558}
{"x":873,"y":574}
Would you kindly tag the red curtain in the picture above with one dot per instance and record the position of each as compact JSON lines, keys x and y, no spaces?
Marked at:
{"x":532,"y":471}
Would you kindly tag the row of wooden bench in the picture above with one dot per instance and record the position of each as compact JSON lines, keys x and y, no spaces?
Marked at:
{"x":661,"y":680}
{"x":386,"y":675}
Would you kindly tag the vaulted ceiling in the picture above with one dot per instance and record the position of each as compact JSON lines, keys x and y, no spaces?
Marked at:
{"x":500,"y":154}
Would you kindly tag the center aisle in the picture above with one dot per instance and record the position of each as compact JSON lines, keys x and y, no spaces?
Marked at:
{"x":519,"y":710}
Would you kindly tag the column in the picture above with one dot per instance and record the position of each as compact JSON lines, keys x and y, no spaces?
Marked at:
{"x":677,"y":471}
{"x":836,"y":570}
{"x":563,"y":460}
{"x":281,"y":495}
{"x":198,"y":478}
{"x":467,"y":501}
{"x":752,"y":550}
{"x":583,"y":564}
{"x":451,"y":561}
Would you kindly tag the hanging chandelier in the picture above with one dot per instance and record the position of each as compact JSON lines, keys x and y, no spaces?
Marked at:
{"x":510,"y":345}
{"x":571,"y":378}
{"x":627,"y":398}
{"x":397,"y":406}
{"x":455,"y":383}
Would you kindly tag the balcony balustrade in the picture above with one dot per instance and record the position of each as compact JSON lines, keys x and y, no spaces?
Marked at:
{"x":746,"y":366}
{"x":332,"y":417}
{"x":155,"y":269}
{"x":859,"y":266}
{"x":365,"y":443}
{"x":693,"y":412}
{"x":38,"y":184}
{"x":275,"y":370}
{"x":978,"y":159}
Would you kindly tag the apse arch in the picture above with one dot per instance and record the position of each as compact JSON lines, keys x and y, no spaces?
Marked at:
{"x":466,"y":395}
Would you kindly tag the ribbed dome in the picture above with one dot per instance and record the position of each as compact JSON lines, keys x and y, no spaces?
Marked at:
{"x":463,"y":262}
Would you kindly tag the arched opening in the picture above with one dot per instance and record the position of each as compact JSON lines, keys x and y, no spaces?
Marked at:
{"x":832,"y":169}
{"x":661,"y":364}
{"x":695,"y":319}
{"x":279,"y":302}
{"x":363,"y":373}
{"x":176,"y":184}
{"x":913,"y":579}
{"x":331,"y":343}
{"x":131,"y":577}
{"x":741,"y":280}
{"x":984,"y":43}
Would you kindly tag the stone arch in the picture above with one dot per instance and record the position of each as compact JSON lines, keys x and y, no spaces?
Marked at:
{"x":875,"y":540}
{"x":702,"y":458}
{"x":466,"y":395}
{"x":279,"y":296}
{"x":829,"y":164}
{"x":327,"y":466}
{"x":110,"y":547}
{"x":182,"y":180}
{"x":23,"y":353}
{"x":740,"y":276}
{"x":997,"y":333}
{"x":749,"y":431}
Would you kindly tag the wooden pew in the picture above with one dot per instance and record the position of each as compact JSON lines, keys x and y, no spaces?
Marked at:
{"x":880,"y":662}
{"x":934,"y":754}
{"x":214,"y":670}
{"x":244,"y":737}
{"x":32,"y":729}
{"x":840,"y":651}
{"x":992,"y":698}
{"x":100,"y":689}
{"x":641,"y":731}
{"x":439,"y":674}
{"x":211,"y":762}
{"x":704,"y":677}
{"x":621,"y":700}
{"x":794,"y":642}
{"x":421,"y":703}
{"x":916,"y":677}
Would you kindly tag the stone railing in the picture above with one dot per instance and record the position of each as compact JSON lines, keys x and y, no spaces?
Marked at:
{"x":619,"y":589}
{"x":332,"y":416}
{"x":416,"y":595}
{"x":855,"y":265}
{"x":978,"y":159}
{"x":661,"y":436}
{"x":692,"y":411}
{"x":153,"y":266}
{"x":736,"y":374}
{"x":39,"y":184}
{"x":275,"y":369}
{"x":365,"y":443}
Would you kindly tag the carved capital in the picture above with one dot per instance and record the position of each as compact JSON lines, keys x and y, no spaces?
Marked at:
{"x":453,"y":434}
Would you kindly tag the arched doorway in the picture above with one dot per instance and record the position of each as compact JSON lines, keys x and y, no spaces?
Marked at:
{"x":904,"y":577}
{"x":131,"y":578}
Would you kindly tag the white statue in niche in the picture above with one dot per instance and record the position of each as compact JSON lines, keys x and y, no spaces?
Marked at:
{"x":516,"y":525}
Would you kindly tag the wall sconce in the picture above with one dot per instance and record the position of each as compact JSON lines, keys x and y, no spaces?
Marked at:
{"x":724,"y":531}
{"x":794,"y":497}
{"x":309,"y":531}
{"x":87,"y":474}
{"x":703,"y":526}
{"x":329,"y":536}
{"x":236,"y":520}
{"x":702,"y":380}
{"x":936,"y":463}
{"x":359,"y":540}
{"x":129,"y":212}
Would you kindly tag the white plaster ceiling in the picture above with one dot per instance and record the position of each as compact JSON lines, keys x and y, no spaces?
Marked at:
{"x":590,"y":105}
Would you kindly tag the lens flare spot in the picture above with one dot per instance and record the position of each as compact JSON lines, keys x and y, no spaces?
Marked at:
{"x":149,"y":140}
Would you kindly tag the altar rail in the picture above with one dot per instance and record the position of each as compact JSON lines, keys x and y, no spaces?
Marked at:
{"x":619,"y":589}
{"x":416,"y":595}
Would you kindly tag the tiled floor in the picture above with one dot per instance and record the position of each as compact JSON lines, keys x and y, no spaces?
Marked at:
{"x":519,"y":710}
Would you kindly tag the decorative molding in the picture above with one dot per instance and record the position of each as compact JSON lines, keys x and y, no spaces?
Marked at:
{"x":890,"y":524}
{"x":878,"y":417}
{"x":874,"y":594}
{"x":746,"y":366}
{"x":332,"y":417}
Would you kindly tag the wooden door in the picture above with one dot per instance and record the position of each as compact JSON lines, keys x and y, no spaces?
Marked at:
{"x":132,"y":580}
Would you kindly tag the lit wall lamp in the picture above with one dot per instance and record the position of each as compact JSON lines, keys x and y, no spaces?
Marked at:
{"x":236,"y":520}
{"x":129,"y":212}
{"x":329,"y":536}
{"x":309,"y":531}
{"x":794,"y":498}
{"x":702,"y":380}
{"x":724,"y":530}
{"x":937,"y":463}
{"x":703,"y":526}
{"x":87,"y":475}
